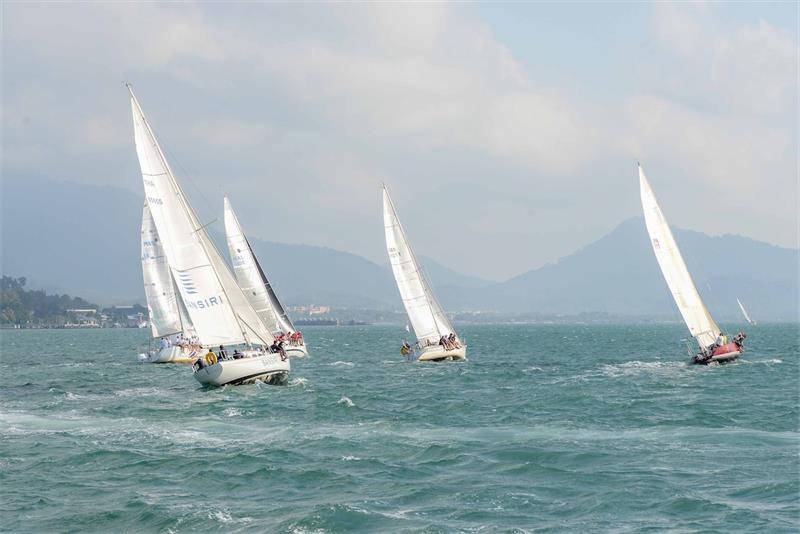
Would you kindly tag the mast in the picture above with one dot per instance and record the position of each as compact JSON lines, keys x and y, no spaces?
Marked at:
{"x":162,"y":300}
{"x":251,"y":276}
{"x":218,"y":309}
{"x":744,"y":312}
{"x":428,"y":319}
{"x":673,"y":267}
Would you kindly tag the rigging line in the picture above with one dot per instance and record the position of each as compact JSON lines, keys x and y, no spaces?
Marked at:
{"x":174,"y":158}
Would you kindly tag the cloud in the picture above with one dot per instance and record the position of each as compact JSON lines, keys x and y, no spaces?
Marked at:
{"x":307,"y":108}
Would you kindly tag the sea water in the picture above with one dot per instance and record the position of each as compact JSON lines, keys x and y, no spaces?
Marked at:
{"x":545,"y":427}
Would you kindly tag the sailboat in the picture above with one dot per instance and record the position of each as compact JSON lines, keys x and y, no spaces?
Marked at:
{"x":744,"y":312}
{"x":431,"y":325}
{"x":219,"y":311}
{"x":256,"y":287}
{"x":168,"y":317}
{"x":713,"y":345}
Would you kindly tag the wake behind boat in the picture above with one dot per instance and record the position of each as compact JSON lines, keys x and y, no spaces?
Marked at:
{"x":219,"y":311}
{"x":256,"y":287}
{"x":714,"y":345}
{"x":436,"y":338}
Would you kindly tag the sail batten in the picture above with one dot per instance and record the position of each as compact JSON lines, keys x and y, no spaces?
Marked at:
{"x":425,"y":314}
{"x":219,"y":311}
{"x":673,"y":267}
{"x":251,"y":277}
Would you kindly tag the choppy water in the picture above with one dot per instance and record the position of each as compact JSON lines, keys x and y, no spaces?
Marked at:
{"x":545,"y":427}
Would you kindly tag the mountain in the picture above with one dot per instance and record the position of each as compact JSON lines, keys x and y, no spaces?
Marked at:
{"x":618,"y":274}
{"x":84,"y":240}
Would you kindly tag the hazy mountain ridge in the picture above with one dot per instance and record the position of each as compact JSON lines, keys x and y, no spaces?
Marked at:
{"x":84,"y":240}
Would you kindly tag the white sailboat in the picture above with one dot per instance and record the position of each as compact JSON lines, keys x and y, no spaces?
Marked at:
{"x":256,"y":287}
{"x":744,"y":312}
{"x":431,"y":325}
{"x":713,"y":345}
{"x":163,"y":303}
{"x":219,"y":311}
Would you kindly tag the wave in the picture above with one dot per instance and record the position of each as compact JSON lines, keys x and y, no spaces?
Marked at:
{"x":341,"y":363}
{"x":638,"y":367}
{"x":346,"y":401}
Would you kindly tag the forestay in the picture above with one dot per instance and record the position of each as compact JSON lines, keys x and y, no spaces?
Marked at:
{"x":694,"y":312}
{"x":251,"y":276}
{"x":162,"y":302}
{"x":424,"y":312}
{"x":219,"y":311}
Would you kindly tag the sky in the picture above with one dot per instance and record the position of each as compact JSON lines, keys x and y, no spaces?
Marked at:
{"x":507,"y":133}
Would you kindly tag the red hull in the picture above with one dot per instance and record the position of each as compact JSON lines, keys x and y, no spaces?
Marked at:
{"x":730,"y":348}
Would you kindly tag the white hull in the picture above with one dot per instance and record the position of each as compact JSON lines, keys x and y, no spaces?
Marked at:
{"x":438,"y":353}
{"x":269,"y":368}
{"x":296,"y":351}
{"x":173,"y":354}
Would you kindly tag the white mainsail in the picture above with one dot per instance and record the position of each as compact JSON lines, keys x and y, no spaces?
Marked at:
{"x":694,"y":312}
{"x":251,"y":276}
{"x":744,"y":312}
{"x":424,"y":312}
{"x":162,"y":301}
{"x":217,"y":307}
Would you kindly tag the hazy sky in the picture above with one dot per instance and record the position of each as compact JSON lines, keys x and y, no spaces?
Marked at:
{"x":507,"y":134}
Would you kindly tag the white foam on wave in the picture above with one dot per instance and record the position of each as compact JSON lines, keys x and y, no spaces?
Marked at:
{"x":339,"y":363}
{"x":224,"y":517}
{"x":346,"y":401}
{"x":300,"y":381}
{"x":136,"y":392}
{"x":532,"y":369}
{"x":350,"y":458}
{"x":233,"y":412}
{"x":638,"y":367}
{"x":72,"y":396}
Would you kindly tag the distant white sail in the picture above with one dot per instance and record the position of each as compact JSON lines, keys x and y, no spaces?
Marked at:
{"x":251,"y":276}
{"x":162,"y":301}
{"x":744,"y":312}
{"x":220,"y":312}
{"x":694,"y":312}
{"x":424,"y":312}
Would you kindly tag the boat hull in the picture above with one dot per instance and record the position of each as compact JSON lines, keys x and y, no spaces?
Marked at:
{"x":173,"y":354}
{"x":296,"y":351}
{"x":267,"y":368}
{"x":439,"y":354}
{"x":724,"y":354}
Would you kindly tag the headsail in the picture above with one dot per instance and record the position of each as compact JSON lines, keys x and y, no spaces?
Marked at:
{"x":744,"y":312}
{"x":218,"y":308}
{"x":162,"y":301}
{"x":694,"y":312}
{"x":424,"y":312}
{"x":251,"y":277}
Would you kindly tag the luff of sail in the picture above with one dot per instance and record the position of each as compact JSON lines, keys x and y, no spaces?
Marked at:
{"x":424,"y":311}
{"x":219,"y":311}
{"x":744,"y":312}
{"x":251,"y":276}
{"x":691,"y":306}
{"x":162,"y":301}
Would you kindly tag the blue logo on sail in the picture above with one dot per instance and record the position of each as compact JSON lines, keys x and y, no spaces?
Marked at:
{"x":187,"y":283}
